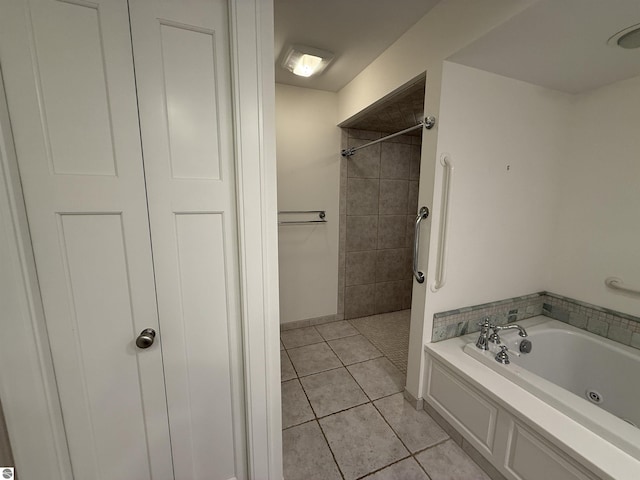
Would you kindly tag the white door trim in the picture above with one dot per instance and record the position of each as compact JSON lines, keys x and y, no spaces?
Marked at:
{"x":251,"y":27}
{"x":27,"y":380}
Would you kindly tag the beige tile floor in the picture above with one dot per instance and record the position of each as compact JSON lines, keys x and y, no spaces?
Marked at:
{"x":389,"y":332}
{"x":344,"y":415}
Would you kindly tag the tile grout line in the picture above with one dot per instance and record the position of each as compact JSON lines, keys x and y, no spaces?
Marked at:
{"x":315,"y":419}
{"x":410,"y":453}
{"x":371,"y":401}
{"x":386,"y":466}
{"x":435,"y":444}
{"x":331,"y":370}
{"x":292,"y":365}
{"x":335,"y":460}
{"x":342,"y":363}
{"x":350,"y":374}
{"x":403,"y":368}
{"x":363,"y":391}
{"x":344,"y":410}
{"x":413,"y":454}
{"x":345,"y":366}
{"x":306,"y":344}
{"x":395,"y":463}
{"x":324,"y":435}
{"x":346,"y":336}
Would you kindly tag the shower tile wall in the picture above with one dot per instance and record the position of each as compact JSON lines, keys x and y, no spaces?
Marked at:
{"x":378,"y":205}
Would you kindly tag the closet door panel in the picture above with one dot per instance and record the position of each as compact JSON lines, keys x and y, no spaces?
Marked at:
{"x":69,"y":82}
{"x":190,"y":79}
{"x":181,"y":55}
{"x":72,"y":66}
{"x":202,"y":266}
{"x":95,"y":263}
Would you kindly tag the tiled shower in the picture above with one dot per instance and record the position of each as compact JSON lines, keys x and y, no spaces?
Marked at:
{"x":378,"y":206}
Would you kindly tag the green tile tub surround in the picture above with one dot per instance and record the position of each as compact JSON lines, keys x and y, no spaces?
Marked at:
{"x":616,"y":326}
{"x":455,"y":323}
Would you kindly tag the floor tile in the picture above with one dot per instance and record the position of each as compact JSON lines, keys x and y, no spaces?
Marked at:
{"x":313,"y":359}
{"x":306,"y":455}
{"x":354,"y":349}
{"x":378,"y":377}
{"x":300,"y":337}
{"x":414,"y":427}
{"x":286,"y":369}
{"x":361,"y":441}
{"x":447,"y":461}
{"x":333,"y":330}
{"x":295,"y":406}
{"x":492,"y":472}
{"x":389,"y":332}
{"x":407,"y":469}
{"x":281,"y":345}
{"x":332,"y":391}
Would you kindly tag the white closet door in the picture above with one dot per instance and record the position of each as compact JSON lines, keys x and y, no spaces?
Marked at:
{"x":181,"y":55}
{"x":71,"y":93}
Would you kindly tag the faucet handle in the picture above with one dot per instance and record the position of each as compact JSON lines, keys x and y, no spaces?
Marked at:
{"x":502,"y":356}
{"x":486,"y":323}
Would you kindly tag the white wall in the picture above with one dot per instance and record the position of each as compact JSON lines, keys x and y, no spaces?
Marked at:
{"x":506,"y":139}
{"x":308,"y":157}
{"x":449,"y":26}
{"x":563,"y":216}
{"x":598,"y":224}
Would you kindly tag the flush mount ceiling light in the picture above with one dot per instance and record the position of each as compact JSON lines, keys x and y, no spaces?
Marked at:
{"x":305,"y":61}
{"x":627,"y":38}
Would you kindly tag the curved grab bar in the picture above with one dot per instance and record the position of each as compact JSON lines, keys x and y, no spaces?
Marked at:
{"x":617,"y":284}
{"x":422,"y":215}
{"x":445,"y":161}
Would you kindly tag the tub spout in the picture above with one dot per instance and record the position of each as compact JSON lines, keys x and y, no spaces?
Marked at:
{"x":521,"y":331}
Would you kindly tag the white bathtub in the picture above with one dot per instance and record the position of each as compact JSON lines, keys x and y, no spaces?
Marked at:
{"x":566,"y":366}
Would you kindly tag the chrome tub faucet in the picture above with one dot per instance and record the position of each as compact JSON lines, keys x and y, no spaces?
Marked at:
{"x":521,"y":331}
{"x":485,"y":337}
{"x":483,"y":340}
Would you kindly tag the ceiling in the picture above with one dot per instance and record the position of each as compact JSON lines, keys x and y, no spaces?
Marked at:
{"x":399,"y":111}
{"x":356,"y":31}
{"x":560,"y":45}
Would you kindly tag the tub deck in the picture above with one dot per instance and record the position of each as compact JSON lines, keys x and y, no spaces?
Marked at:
{"x":564,"y":365}
{"x":574,"y":437}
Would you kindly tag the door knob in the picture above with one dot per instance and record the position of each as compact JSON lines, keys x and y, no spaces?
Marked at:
{"x":146,"y":337}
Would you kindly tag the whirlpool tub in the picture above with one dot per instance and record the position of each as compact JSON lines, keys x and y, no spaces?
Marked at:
{"x":591,"y":379}
{"x":566,"y":410}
